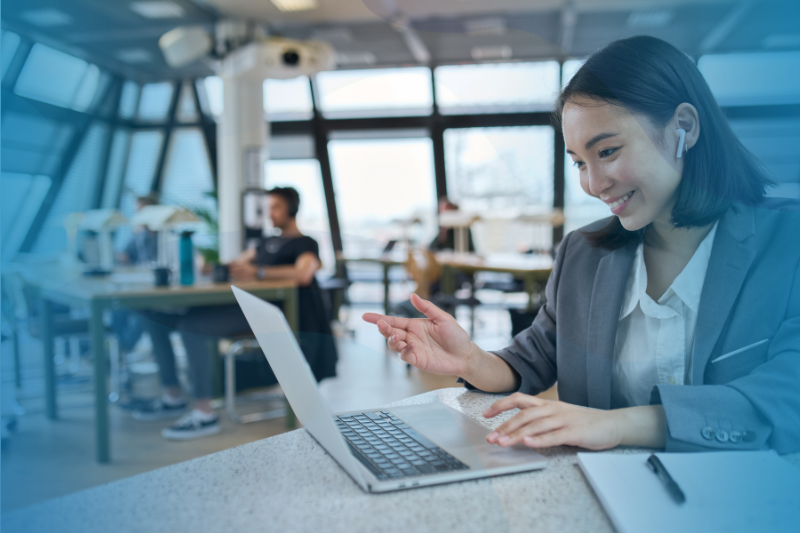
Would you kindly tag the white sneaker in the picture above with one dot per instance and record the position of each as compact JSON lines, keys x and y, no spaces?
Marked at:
{"x":193,"y":425}
{"x":159,"y":409}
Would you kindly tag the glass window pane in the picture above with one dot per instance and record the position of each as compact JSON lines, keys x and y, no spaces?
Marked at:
{"x":187,"y":110}
{"x":753,"y":78}
{"x":579,"y":208}
{"x":139,"y":174}
{"x":213,"y":90}
{"x":288,"y":99}
{"x":8,"y":46}
{"x":129,"y":99}
{"x":36,"y":145}
{"x":496,"y":87}
{"x":51,"y":76}
{"x":76,"y":193}
{"x":88,"y":89}
{"x":378,"y":183}
{"x":116,"y":164}
{"x":187,"y":173}
{"x":774,"y":142}
{"x":155,"y":100}
{"x":21,"y":196}
{"x":499,"y":168}
{"x":375,"y":92}
{"x":312,"y":219}
{"x":568,"y":70}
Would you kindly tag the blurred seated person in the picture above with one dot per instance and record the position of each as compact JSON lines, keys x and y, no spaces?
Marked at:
{"x":291,"y":255}
{"x":142,"y":249}
{"x":446,"y":238}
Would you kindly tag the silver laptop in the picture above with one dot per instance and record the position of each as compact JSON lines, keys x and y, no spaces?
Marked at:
{"x":382,"y":449}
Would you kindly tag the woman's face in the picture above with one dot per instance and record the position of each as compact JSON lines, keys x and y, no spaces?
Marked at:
{"x":622,"y":161}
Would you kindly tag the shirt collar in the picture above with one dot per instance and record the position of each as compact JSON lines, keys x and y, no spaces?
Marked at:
{"x":688,"y":286}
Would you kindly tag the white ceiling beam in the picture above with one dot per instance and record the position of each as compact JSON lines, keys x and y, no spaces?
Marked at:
{"x":725,"y":27}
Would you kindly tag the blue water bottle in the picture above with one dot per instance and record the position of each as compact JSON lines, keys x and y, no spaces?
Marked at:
{"x":186,"y":258}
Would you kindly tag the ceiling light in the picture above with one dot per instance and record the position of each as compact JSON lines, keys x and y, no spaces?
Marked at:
{"x":480,"y":53}
{"x":46,"y":17}
{"x":355,"y":58}
{"x":158,"y":9}
{"x":486,"y":26}
{"x":781,"y":40}
{"x":648,"y":19}
{"x":134,"y":56}
{"x":295,"y":5}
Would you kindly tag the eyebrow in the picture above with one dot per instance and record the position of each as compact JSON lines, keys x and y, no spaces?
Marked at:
{"x":596,"y":139}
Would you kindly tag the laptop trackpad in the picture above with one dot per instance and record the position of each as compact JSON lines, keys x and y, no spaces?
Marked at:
{"x":463,"y":437}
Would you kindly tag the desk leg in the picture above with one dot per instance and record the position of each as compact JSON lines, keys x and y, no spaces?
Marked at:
{"x":291,"y":310}
{"x":49,"y":366}
{"x":530,"y":285}
{"x":386,"y":289}
{"x":449,"y":285}
{"x":96,"y":339}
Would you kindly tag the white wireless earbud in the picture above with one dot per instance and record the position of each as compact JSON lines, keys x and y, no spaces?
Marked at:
{"x":681,"y":142}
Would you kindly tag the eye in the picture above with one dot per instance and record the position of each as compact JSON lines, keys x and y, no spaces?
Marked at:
{"x":607,"y":152}
{"x":578,"y":164}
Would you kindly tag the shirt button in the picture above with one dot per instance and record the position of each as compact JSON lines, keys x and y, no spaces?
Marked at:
{"x":748,"y":436}
{"x":672,"y":380}
{"x":722,"y":435}
{"x":707,"y":433}
{"x":735,"y":437}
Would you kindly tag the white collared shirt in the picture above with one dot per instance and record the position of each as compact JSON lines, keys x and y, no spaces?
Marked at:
{"x":655,"y":339}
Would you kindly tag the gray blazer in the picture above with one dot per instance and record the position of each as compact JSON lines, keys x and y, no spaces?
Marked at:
{"x":746,"y":370}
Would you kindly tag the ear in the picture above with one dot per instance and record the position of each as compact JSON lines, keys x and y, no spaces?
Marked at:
{"x":687,"y":118}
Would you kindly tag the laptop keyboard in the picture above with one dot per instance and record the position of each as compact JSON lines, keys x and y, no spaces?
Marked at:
{"x":391,"y":449}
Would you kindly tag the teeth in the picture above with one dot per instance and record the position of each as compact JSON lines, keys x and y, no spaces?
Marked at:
{"x":620,"y":201}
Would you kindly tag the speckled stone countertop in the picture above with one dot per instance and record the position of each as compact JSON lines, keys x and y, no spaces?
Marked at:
{"x":289,"y":483}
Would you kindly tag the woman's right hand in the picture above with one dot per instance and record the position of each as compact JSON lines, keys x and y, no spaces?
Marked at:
{"x":437,"y":344}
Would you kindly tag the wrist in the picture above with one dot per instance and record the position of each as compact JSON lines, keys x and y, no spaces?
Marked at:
{"x":471,"y":363}
{"x":261,"y":272}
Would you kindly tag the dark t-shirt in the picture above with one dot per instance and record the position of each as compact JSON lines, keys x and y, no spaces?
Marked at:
{"x":315,"y":336}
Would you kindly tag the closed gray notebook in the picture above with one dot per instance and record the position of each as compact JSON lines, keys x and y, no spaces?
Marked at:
{"x":725,"y":491}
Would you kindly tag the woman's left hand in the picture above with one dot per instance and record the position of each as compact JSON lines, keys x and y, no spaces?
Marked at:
{"x":544,"y":423}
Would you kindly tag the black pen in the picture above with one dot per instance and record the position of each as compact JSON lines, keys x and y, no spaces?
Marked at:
{"x":660,"y":470}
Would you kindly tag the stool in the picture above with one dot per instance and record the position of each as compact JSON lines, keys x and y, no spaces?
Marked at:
{"x":237,"y":348}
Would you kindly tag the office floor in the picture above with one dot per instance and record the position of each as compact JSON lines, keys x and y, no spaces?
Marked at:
{"x":45,"y":459}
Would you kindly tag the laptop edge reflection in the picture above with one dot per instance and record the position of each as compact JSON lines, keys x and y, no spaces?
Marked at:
{"x":443,"y":435}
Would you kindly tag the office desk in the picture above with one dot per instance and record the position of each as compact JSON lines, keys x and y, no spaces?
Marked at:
{"x":288,"y":483}
{"x":532,"y":269}
{"x":99,"y":294}
{"x":387,"y":261}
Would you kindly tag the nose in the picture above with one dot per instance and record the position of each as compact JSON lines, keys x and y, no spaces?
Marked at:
{"x":598,"y":181}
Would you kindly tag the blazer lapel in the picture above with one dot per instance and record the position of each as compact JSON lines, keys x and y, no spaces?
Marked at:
{"x":727,"y":268}
{"x":608,"y":292}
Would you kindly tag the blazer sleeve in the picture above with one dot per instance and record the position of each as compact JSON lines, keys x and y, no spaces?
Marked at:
{"x":762,"y":408}
{"x":532,"y":353}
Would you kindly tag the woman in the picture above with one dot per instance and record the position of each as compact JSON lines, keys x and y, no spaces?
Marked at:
{"x":674,"y":323}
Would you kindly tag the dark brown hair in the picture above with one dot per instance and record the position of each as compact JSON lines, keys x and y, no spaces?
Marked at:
{"x":290,"y":196}
{"x":651,"y":77}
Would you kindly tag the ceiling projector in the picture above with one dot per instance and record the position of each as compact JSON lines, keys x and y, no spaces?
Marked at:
{"x":262,"y":57}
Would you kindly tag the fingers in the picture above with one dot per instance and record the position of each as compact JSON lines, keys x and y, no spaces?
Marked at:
{"x":546,"y":440}
{"x":407,"y":353}
{"x":387,"y":331}
{"x":535,"y":427}
{"x":394,"y":321}
{"x":526,"y":422}
{"x":428,"y":309}
{"x":515,"y":401}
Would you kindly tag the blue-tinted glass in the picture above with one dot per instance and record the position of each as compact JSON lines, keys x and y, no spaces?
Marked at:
{"x":51,"y":76}
{"x":8,"y":46}
{"x":21,"y":196}
{"x":492,"y":87}
{"x":187,"y":174}
{"x":187,"y":110}
{"x":155,"y":100}
{"x":377,"y":183}
{"x":116,"y":164}
{"x":754,"y":78}
{"x":375,"y":92}
{"x":568,"y":70}
{"x":139,"y":174}
{"x":774,"y":142}
{"x":32,"y":144}
{"x":288,"y":99}
{"x":76,"y":193}
{"x":499,"y":168}
{"x":129,"y":99}
{"x":214,"y":98}
{"x":88,"y":89}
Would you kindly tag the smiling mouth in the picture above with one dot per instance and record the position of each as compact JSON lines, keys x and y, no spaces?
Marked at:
{"x":621,"y":201}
